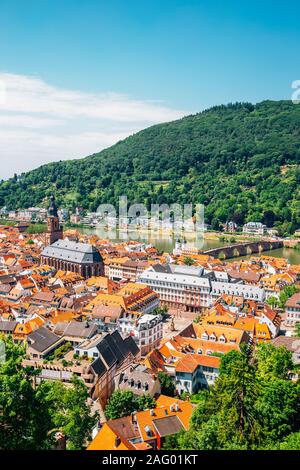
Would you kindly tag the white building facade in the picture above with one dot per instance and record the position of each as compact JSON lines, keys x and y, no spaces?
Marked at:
{"x":193,"y":288}
{"x":148,"y":333}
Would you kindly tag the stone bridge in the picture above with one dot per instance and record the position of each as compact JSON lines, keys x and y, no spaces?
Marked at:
{"x":243,"y":249}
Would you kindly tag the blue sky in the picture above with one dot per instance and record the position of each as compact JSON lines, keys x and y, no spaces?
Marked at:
{"x":150,"y":61}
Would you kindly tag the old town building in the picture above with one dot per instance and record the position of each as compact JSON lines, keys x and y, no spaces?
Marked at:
{"x":81,"y":258}
{"x":55,"y":229}
{"x":65,"y":255}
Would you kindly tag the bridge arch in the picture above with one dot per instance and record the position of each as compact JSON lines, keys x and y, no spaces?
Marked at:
{"x":222,"y":255}
{"x":236,"y":252}
{"x":249,"y":250}
{"x":260,"y":248}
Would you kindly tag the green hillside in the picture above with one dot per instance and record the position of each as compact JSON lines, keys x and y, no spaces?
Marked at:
{"x":242,"y":161}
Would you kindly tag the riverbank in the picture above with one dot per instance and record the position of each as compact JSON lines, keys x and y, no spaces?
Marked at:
{"x":207,"y":241}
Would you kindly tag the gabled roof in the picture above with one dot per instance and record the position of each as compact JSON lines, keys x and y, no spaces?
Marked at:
{"x":76,"y":329}
{"x":103,"y":311}
{"x":28,"y":327}
{"x":168,"y":417}
{"x":294,"y":301}
{"x":107,"y":354}
{"x":190,"y":362}
{"x":113,"y":349}
{"x":231,"y":334}
{"x":8,"y":325}
{"x":262,"y":331}
{"x":106,"y":439}
{"x":167,"y":426}
{"x":124,"y":427}
{"x":43,"y":297}
{"x":73,"y":252}
{"x":99,"y":367}
{"x":42,"y":339}
{"x":5,"y":288}
{"x":292,"y":343}
{"x":117,"y":344}
{"x":131,"y":345}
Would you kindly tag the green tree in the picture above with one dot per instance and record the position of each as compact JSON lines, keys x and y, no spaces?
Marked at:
{"x":241,"y":161}
{"x":167,"y":384}
{"x":123,"y":403}
{"x":171,"y":442}
{"x":273,"y":363}
{"x":204,"y":438}
{"x":188,"y":261}
{"x":235,"y":394}
{"x":252,"y":405}
{"x":272,"y":301}
{"x":70,"y":411}
{"x":278,"y":408}
{"x":162,"y":310}
{"x":36,"y":228}
{"x":226,"y":417}
{"x":269,"y":218}
{"x":145,"y":402}
{"x":24,"y":416}
{"x":297,"y":329}
{"x":30,"y":415}
{"x":291,"y":442}
{"x":285,"y":294}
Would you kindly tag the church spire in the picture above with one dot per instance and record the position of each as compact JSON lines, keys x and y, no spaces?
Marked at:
{"x":52,"y":210}
{"x":55,"y":229}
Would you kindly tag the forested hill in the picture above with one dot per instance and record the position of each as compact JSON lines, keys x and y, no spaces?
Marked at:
{"x":241,"y":160}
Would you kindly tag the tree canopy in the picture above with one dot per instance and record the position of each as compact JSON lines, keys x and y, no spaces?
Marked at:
{"x":30,"y":415}
{"x":123,"y":403}
{"x":252,"y":405}
{"x":167,"y":384}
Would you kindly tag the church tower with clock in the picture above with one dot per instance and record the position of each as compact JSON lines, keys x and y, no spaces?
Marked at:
{"x":55,"y":229}
{"x":65,"y":255}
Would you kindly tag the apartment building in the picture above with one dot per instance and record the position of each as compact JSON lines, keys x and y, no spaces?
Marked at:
{"x":237,"y":289}
{"x":137,"y":379}
{"x":292,"y":310}
{"x":195,"y":371}
{"x":256,"y":228}
{"x":124,"y":268}
{"x":115,"y":354}
{"x":148,"y":332}
{"x":179,"y":286}
{"x":133,"y":297}
{"x":145,"y":430}
{"x":194,"y":288}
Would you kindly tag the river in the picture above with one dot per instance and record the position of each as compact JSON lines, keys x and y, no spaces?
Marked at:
{"x":166,"y":242}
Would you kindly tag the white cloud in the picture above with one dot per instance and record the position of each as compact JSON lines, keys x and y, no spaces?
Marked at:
{"x":40,"y":123}
{"x":26,"y":121}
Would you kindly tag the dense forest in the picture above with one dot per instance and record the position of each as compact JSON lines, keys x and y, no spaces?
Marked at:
{"x":242,"y":161}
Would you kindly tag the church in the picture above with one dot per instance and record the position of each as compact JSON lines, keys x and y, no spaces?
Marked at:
{"x":65,"y":255}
